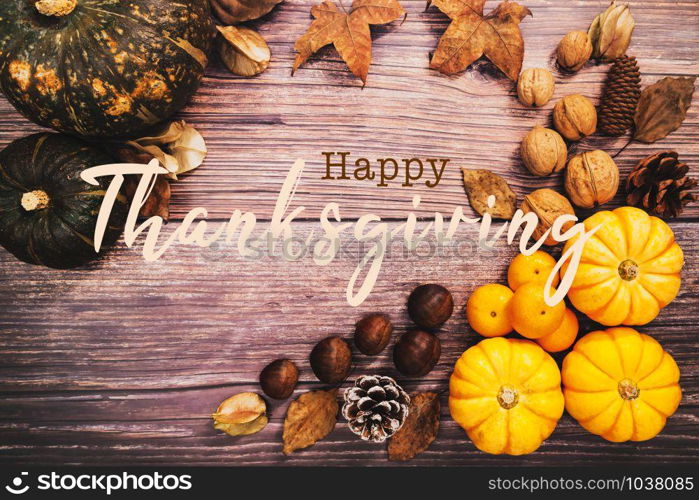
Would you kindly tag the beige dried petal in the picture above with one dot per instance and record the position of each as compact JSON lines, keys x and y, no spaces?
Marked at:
{"x":243,"y":429}
{"x":243,"y":50}
{"x":179,"y":147}
{"x":241,"y":408}
{"x":610,"y":32}
{"x":480,"y":185}
{"x":189,"y":150}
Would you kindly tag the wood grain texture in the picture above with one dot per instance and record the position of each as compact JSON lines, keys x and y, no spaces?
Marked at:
{"x":121,"y":362}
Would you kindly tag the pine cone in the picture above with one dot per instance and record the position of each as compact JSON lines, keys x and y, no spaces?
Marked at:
{"x":659,"y":183}
{"x":621,"y":94}
{"x":375,"y":407}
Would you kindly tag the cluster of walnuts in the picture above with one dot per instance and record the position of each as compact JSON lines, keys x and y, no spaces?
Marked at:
{"x":591,"y":177}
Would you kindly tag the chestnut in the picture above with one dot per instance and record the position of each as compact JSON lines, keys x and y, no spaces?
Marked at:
{"x":278,"y":379}
{"x":430,"y":306}
{"x":372,"y":333}
{"x":331,"y":360}
{"x":416,"y":353}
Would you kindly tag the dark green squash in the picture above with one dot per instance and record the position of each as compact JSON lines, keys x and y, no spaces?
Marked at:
{"x":101,"y":68}
{"x":47,"y":212}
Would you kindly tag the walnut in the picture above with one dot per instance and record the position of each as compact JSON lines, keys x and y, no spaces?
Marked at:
{"x":575,"y":117}
{"x":535,"y":87}
{"x":543,"y":151}
{"x":548,"y":205}
{"x":592,"y":179}
{"x":574,"y":50}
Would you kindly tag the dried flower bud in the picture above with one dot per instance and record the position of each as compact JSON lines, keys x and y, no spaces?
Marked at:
{"x":242,"y":50}
{"x":575,"y":117}
{"x":610,"y":32}
{"x":592,"y":179}
{"x":574,"y":51}
{"x":535,"y":87}
{"x":543,"y":151}
{"x":548,"y":205}
{"x":242,"y":414}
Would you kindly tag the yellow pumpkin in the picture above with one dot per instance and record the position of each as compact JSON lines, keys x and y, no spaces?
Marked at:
{"x":506,"y":394}
{"x":620,"y":384}
{"x":629,"y":270}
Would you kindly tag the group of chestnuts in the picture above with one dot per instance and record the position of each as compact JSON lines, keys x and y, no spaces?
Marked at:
{"x":415,"y":353}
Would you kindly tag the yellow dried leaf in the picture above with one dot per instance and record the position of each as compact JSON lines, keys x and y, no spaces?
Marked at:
{"x":243,"y":50}
{"x":310,"y":418}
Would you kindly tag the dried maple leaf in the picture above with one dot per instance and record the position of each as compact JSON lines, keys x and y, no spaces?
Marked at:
{"x":348,"y":31}
{"x":419,"y":430}
{"x":310,"y":418}
{"x":481,"y":184}
{"x":472,"y":35}
{"x":662,"y":108}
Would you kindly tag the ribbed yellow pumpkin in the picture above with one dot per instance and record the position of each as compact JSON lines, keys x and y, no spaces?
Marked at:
{"x":620,"y":384}
{"x":506,"y":394}
{"x":629,"y":270}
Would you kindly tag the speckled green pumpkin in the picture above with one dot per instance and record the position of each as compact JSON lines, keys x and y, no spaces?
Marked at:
{"x":48,"y":213}
{"x":101,"y":68}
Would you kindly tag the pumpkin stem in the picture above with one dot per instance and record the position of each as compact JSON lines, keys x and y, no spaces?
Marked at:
{"x":35,"y":200}
{"x":628,"y":390}
{"x":508,"y":397}
{"x":57,"y":8}
{"x":628,"y":270}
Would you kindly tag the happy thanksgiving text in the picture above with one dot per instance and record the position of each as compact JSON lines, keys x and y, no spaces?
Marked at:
{"x":368,"y":229}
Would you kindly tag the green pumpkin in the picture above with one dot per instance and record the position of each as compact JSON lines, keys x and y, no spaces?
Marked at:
{"x":48,"y":213}
{"x":102,"y":68}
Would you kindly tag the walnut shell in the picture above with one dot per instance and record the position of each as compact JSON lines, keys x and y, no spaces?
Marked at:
{"x":535,"y":87}
{"x":548,"y":205}
{"x":592,"y":179}
{"x":574,"y":50}
{"x":575,"y":117}
{"x":543,"y":151}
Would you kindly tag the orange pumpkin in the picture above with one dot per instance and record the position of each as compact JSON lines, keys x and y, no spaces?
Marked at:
{"x":506,"y":394}
{"x":629,"y":270}
{"x":620,"y":384}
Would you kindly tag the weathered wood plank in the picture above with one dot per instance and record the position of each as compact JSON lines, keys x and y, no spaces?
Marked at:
{"x":124,"y":360}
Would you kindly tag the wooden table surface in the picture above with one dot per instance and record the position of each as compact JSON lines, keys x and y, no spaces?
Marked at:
{"x":122,"y":361}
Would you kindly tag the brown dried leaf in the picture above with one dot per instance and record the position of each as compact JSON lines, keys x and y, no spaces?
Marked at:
{"x":157,"y":203}
{"x":348,"y":32}
{"x":419,"y":429}
{"x":241,"y":414}
{"x":480,"y":184}
{"x":662,"y":108}
{"x":310,"y":418}
{"x":237,"y":11}
{"x":472,"y":35}
{"x":243,"y":50}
